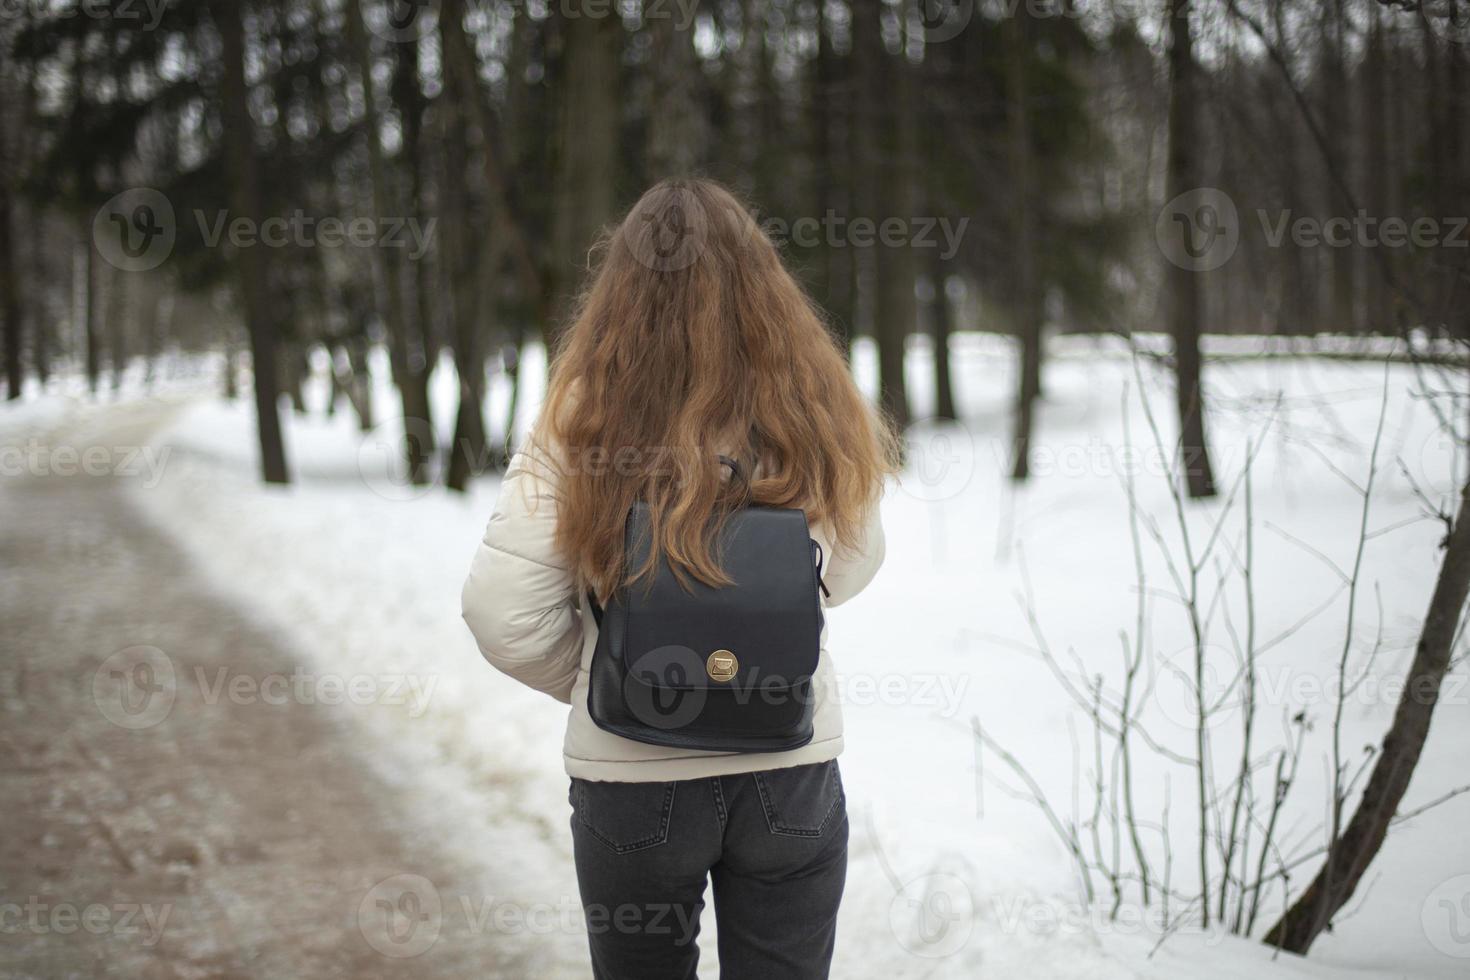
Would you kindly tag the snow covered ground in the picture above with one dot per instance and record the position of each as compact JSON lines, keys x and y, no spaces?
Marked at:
{"x":363,"y":574}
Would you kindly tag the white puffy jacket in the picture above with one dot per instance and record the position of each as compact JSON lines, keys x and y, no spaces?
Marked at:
{"x":523,"y":604}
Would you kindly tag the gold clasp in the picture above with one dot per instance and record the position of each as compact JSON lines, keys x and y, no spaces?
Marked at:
{"x":721,"y":665}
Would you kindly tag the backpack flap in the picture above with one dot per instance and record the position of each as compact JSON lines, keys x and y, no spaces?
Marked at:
{"x":761,"y":633}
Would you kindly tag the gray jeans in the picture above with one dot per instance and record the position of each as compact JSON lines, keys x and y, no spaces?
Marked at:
{"x":774,"y":844}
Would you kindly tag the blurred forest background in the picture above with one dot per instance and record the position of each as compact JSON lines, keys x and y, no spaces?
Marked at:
{"x":486,"y":143}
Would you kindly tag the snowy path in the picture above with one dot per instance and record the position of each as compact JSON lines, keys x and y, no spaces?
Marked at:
{"x":159,"y":823}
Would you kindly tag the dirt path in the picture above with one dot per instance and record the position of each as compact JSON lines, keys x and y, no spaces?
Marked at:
{"x":158,"y":822}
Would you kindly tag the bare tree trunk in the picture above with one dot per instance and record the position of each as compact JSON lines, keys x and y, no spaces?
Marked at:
{"x":415,"y":354}
{"x":387,"y":272}
{"x":1376,"y":140}
{"x":886,"y":177}
{"x":1183,"y":286}
{"x":1454,"y":197}
{"x":943,"y":323}
{"x":939,"y":69}
{"x":335,"y":388}
{"x":1339,"y":125}
{"x":422,"y":356}
{"x":232,"y":388}
{"x":361,"y":391}
{"x":1349,"y":856}
{"x":244,"y":177}
{"x":898,"y":270}
{"x":1027,"y":306}
{"x":91,"y":313}
{"x":462,"y":268}
{"x":863,"y":127}
{"x":292,"y":358}
{"x":10,"y":301}
{"x":10,"y":307}
{"x":586,"y":154}
{"x":40,"y":309}
{"x":469,"y":448}
{"x":119,"y":310}
{"x":23,"y":291}
{"x":832,"y":106}
{"x":1297,"y":310}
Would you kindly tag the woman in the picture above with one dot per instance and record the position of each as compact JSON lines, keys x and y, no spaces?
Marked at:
{"x":692,"y":342}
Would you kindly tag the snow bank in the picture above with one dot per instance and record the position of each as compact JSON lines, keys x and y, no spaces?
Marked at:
{"x":363,"y":574}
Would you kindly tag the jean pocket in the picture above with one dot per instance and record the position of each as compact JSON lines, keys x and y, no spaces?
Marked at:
{"x":801,"y":801}
{"x":624,"y":816}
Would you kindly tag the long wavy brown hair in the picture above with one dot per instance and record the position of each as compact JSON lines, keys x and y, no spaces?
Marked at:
{"x":692,"y":340}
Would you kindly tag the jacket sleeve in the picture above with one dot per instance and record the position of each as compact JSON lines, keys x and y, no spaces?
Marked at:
{"x":520,"y":599}
{"x":847,"y":572}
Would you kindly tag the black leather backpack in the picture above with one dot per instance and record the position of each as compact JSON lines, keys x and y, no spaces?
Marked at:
{"x":725,"y":669}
